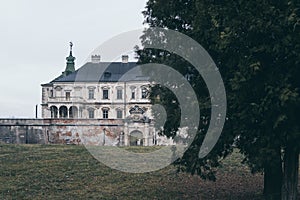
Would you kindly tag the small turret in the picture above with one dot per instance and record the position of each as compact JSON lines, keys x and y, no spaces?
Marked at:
{"x":70,"y":68}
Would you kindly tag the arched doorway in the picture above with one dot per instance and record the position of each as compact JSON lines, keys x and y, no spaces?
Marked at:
{"x":136,"y":138}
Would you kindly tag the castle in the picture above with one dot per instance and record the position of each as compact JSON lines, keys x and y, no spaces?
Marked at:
{"x":101,"y":103}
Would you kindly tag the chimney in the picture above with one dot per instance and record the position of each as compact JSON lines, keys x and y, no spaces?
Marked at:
{"x":96,"y":58}
{"x":125,"y":59}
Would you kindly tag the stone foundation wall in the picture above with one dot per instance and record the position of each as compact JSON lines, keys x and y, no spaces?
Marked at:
{"x":81,"y":131}
{"x":61,"y":131}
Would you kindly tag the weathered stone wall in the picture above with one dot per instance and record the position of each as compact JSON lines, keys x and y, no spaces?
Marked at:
{"x":61,"y":131}
{"x":43,"y":131}
{"x":89,"y":131}
{"x":78,"y":131}
{"x":22,"y":131}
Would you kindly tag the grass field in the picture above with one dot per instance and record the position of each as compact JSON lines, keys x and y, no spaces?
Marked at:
{"x":70,"y":172}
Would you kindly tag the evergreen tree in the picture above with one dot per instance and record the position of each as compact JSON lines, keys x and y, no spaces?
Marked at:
{"x":256,"y":46}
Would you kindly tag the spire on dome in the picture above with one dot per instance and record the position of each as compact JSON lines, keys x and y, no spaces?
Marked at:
{"x":70,"y":68}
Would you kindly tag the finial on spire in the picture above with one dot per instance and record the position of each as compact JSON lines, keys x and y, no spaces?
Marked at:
{"x":71,"y":46}
{"x":70,"y":68}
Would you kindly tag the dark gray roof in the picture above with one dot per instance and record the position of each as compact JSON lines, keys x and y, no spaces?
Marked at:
{"x":104,"y":72}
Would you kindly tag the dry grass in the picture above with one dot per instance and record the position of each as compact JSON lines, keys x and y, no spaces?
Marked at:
{"x":70,"y":172}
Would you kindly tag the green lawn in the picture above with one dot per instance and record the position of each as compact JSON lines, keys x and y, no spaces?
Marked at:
{"x":70,"y":172}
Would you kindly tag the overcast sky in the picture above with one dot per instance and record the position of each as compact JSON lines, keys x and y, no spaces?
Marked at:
{"x":34,"y":39}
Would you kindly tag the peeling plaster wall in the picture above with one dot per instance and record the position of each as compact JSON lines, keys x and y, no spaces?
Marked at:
{"x":63,"y":131}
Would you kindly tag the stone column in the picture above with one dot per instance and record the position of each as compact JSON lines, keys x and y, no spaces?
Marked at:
{"x":146,"y":134}
{"x":126,"y":134}
{"x":17,"y":134}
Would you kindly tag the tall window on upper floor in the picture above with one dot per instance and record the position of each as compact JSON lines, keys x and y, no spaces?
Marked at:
{"x":119,"y":93}
{"x":105,"y":94}
{"x":68,"y":96}
{"x":91,"y":113}
{"x":119,"y":114}
{"x":91,"y":93}
{"x":105,"y":113}
{"x":144,"y":92}
{"x":132,"y":92}
{"x":51,"y":94}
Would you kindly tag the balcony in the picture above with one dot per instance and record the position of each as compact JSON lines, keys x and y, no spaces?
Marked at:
{"x":64,"y":99}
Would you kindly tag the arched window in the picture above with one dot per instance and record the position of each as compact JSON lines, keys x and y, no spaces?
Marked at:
{"x":63,"y":112}
{"x":144,"y":92}
{"x":54,"y":111}
{"x":73,"y":112}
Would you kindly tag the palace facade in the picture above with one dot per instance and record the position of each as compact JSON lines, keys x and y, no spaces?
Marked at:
{"x":106,"y":104}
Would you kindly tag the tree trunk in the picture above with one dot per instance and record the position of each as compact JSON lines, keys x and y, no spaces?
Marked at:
{"x":273,"y":178}
{"x":290,"y":173}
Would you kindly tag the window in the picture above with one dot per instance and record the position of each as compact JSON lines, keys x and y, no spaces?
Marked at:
{"x":105,"y":113}
{"x":119,"y":93}
{"x":91,"y":93}
{"x":51,"y":93}
{"x":119,"y":114}
{"x":73,"y":112}
{"x":91,"y":113}
{"x":105,"y":93}
{"x":54,"y":111}
{"x":132,"y":92}
{"x":63,"y":112}
{"x":107,"y":74}
{"x":144,"y":93}
{"x":68,"y":95}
